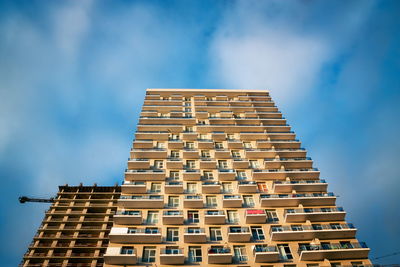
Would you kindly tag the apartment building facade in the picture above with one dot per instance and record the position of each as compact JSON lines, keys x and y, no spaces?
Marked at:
{"x":75,"y":229}
{"x":218,"y":177}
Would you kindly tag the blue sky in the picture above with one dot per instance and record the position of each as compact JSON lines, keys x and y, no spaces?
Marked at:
{"x":73,"y":76}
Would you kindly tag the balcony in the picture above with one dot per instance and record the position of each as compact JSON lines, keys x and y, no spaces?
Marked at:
{"x":256,"y":216}
{"x":113,"y":255}
{"x":128,"y":217}
{"x":191,"y":175}
{"x":124,"y":235}
{"x":288,"y":200}
{"x":133,"y":187}
{"x":226,"y":175}
{"x":152,"y":135}
{"x":173,"y":128}
{"x":264,"y":253}
{"x":190,"y":153}
{"x":194,"y":235}
{"x":240,"y":163}
{"x":208,"y":163}
{"x":140,"y":144}
{"x":247,"y":187}
{"x":134,"y":164}
{"x":214,"y":217}
{"x":172,"y":256}
{"x":153,"y":153}
{"x":232,"y":201}
{"x":205,"y":144}
{"x":288,"y":163}
{"x":174,"y":217}
{"x":174,"y":163}
{"x":218,"y":136}
{"x":314,"y":214}
{"x":250,"y":136}
{"x":309,"y":232}
{"x":235,"y":144}
{"x":239,"y":234}
{"x":144,"y":175}
{"x":175,"y":144}
{"x":211,"y":187}
{"x":279,"y":144}
{"x":282,"y":173}
{"x":300,"y":186}
{"x":193,"y":201}
{"x":173,"y":188}
{"x":222,"y":154}
{"x":146,"y":202}
{"x":333,"y":251}
{"x":219,"y":255}
{"x":189,"y":136}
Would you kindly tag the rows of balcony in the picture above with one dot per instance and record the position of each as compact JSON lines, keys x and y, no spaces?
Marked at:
{"x":287,"y":200}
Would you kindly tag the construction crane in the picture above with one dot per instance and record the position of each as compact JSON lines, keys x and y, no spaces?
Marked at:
{"x":24,"y":199}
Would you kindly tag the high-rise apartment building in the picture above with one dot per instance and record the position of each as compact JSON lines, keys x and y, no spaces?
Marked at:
{"x":218,"y":177}
{"x":75,"y":229}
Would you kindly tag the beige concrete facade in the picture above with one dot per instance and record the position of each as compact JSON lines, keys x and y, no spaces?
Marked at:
{"x":75,"y":229}
{"x":217,"y":177}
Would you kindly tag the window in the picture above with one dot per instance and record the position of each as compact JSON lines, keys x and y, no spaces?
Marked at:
{"x":191,"y":187}
{"x":236,"y":154}
{"x":208,"y":175}
{"x":195,"y":254}
{"x":248,"y":201}
{"x":174,"y":153}
{"x":189,"y":145}
{"x":257,"y":233}
{"x":223,"y":164}
{"x":284,"y":252}
{"x":174,"y":137}
{"x":313,"y":265}
{"x":336,"y":226}
{"x":231,"y":137}
{"x":189,"y":129}
{"x":262,"y":187}
{"x":247,"y":145}
{"x":203,"y":137}
{"x":205,"y":154}
{"x":296,"y":227}
{"x":152,"y":217}
{"x":219,"y":145}
{"x":158,"y":164}
{"x":240,"y":253}
{"x":317,"y":226}
{"x":160,"y":145}
{"x":241,"y":175}
{"x":254,"y":164}
{"x":172,"y":234}
{"x":149,"y":254}
{"x":174,"y":175}
{"x":335,"y":264}
{"x":132,"y":230}
{"x":194,"y":230}
{"x":190,"y":164}
{"x":173,"y":201}
{"x":215,"y":234}
{"x":213,"y":115}
{"x":193,"y":216}
{"x":272,"y":216}
{"x":227,"y":187}
{"x":211,"y":201}
{"x":233,"y":216}
{"x":125,"y":250}
{"x":155,"y":187}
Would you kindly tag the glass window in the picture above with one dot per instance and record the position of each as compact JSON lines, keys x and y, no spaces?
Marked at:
{"x":149,"y":254}
{"x":188,"y":128}
{"x":248,"y":201}
{"x":195,"y":254}
{"x":240,"y":253}
{"x":215,"y":234}
{"x":155,"y":187}
{"x":254,"y":164}
{"x":174,"y":137}
{"x":284,"y":252}
{"x":189,"y":145}
{"x":193,"y":216}
{"x":241,"y":175}
{"x":190,"y":164}
{"x":174,"y":175}
{"x":272,"y":216}
{"x":208,"y":175}
{"x":236,"y":154}
{"x":203,"y":137}
{"x":173,"y":201}
{"x":233,"y":216}
{"x":205,"y":154}
{"x":160,"y":145}
{"x":125,"y":250}
{"x":231,"y":137}
{"x":227,"y":187}
{"x":247,"y":145}
{"x":211,"y":201}
{"x":262,"y":187}
{"x":152,"y":217}
{"x":174,"y":153}
{"x":223,"y":164}
{"x":158,"y":164}
{"x":257,"y":233}
{"x":191,"y":187}
{"x":219,"y":145}
{"x":172,"y":234}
